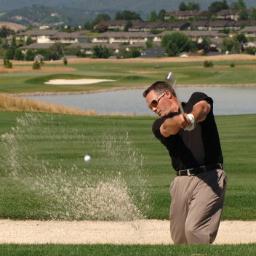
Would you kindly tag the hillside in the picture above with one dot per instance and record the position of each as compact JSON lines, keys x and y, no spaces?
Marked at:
{"x":80,"y":11}
{"x":99,"y":5}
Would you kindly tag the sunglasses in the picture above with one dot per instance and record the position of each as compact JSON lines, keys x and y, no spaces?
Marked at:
{"x":154,"y":103}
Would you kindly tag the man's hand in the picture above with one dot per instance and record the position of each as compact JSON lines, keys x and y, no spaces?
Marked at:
{"x":173,"y":125}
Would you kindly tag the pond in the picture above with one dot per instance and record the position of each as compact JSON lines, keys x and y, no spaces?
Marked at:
{"x":227,"y":101}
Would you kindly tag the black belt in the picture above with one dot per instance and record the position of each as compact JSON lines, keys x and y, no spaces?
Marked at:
{"x":199,"y":169}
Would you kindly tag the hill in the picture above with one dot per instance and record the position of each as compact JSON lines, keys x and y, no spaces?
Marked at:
{"x":99,"y":5}
{"x":80,"y":11}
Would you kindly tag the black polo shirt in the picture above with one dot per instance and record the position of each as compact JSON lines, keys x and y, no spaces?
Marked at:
{"x":189,"y":149}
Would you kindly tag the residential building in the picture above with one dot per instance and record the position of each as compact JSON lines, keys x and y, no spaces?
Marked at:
{"x":249,"y":31}
{"x":187,"y":15}
{"x":228,"y":15}
{"x":51,"y":36}
{"x":122,"y":37}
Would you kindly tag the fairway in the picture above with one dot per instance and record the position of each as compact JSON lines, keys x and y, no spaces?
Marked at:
{"x":55,"y":145}
{"x":127,"y":74}
{"x":44,"y":176}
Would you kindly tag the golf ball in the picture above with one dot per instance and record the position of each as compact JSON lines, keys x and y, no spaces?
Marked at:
{"x":87,"y":158}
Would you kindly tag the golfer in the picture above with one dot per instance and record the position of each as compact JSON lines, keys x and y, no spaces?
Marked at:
{"x":192,"y":140}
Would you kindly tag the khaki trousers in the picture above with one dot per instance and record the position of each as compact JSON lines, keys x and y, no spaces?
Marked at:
{"x":196,"y":207}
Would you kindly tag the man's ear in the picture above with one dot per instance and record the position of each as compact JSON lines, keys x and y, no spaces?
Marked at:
{"x":169,"y":94}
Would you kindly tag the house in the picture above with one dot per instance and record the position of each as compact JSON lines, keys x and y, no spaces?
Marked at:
{"x":37,"y":35}
{"x":122,"y":37}
{"x":50,"y":36}
{"x":199,"y":25}
{"x":112,"y":25}
{"x":198,"y":36}
{"x":228,"y":14}
{"x":249,"y":31}
{"x":158,"y":26}
{"x":87,"y":48}
{"x":65,"y":38}
{"x":182,"y":15}
{"x":219,"y":25}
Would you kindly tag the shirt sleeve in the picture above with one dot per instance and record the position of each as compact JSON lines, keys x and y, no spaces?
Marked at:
{"x":199,"y":96}
{"x":157,"y":124}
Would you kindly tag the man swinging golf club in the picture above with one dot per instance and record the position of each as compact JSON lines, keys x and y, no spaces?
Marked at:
{"x":189,"y":132}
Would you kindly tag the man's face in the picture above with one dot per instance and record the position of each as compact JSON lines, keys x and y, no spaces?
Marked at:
{"x":162,"y":103}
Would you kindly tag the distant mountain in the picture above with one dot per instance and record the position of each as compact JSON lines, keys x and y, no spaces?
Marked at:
{"x":35,"y":15}
{"x":80,"y":11}
{"x":99,"y":5}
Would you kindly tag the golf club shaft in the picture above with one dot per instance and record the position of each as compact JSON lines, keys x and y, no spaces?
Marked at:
{"x":172,"y":82}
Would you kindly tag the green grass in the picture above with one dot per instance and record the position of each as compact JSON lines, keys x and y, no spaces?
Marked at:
{"x":63,"y":139}
{"x":130,"y":75}
{"x":147,"y":250}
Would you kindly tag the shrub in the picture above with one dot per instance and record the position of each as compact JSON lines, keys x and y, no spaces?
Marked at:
{"x":65,"y":61}
{"x":208,"y":64}
{"x":232,"y":65}
{"x":36,"y":65}
{"x":7,"y":63}
{"x":251,"y":50}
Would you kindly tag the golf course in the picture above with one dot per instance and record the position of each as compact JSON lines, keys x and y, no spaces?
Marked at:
{"x":44,"y":177}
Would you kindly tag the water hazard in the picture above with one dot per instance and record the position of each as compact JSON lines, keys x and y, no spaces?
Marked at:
{"x":227,"y":101}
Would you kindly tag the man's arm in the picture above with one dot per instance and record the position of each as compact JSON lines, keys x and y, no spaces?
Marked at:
{"x":173,"y":125}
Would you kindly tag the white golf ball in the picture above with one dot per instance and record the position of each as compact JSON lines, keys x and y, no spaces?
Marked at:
{"x":87,"y":158}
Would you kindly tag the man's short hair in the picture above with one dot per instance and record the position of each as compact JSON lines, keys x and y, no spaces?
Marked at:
{"x":159,"y":87}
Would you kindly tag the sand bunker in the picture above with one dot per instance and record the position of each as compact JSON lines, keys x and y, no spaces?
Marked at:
{"x":77,"y":81}
{"x":112,"y":232}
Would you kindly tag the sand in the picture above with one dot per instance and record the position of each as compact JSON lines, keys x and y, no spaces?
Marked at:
{"x":77,"y":81}
{"x":103,"y":232}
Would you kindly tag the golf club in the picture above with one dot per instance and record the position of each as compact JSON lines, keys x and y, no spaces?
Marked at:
{"x":170,"y":79}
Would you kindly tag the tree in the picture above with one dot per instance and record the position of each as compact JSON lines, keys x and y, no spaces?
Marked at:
{"x":231,"y":45}
{"x":239,"y":5}
{"x":30,"y":55}
{"x":101,"y":28}
{"x":5,"y":32}
{"x":218,"y":6}
{"x":253,"y":14}
{"x":241,"y":38}
{"x":88,"y":25}
{"x":56,"y":52}
{"x":29,"y":40}
{"x":190,"y":6}
{"x":244,"y":15}
{"x":9,"y":54}
{"x":128,"y":25}
{"x":18,"y":55}
{"x":161,"y":15}
{"x":101,"y":17}
{"x":101,"y":52}
{"x":153,"y":16}
{"x":13,"y":42}
{"x":182,"y":6}
{"x":204,"y":45}
{"x":149,"y":43}
{"x":176,"y":43}
{"x":131,"y":53}
{"x":127,"y":15}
